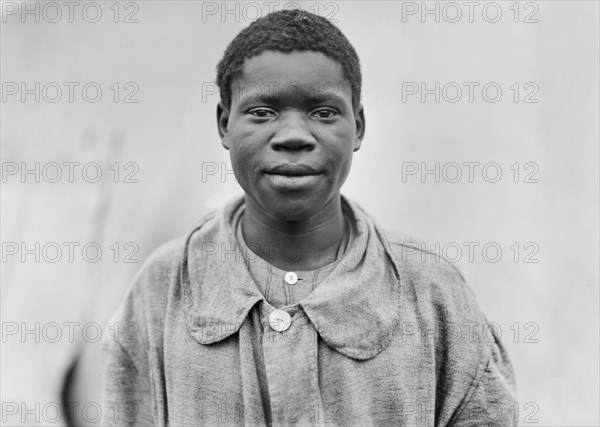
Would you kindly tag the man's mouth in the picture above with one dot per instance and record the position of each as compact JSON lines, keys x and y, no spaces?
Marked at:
{"x":292,"y":170}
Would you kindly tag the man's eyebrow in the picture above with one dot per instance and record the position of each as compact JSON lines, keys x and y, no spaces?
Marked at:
{"x":326,"y":96}
{"x":265,"y":98}
{"x":315,"y":98}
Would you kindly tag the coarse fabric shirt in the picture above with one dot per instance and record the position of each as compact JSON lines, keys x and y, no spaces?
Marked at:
{"x":391,"y":335}
{"x":270,"y":280}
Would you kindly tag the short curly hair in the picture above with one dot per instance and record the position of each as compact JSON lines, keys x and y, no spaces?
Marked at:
{"x":287,"y":31}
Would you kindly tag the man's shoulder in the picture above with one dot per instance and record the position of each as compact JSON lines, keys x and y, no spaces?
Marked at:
{"x":167,"y":259}
{"x":433,"y":282}
{"x":167,"y":253}
{"x":419,"y":256}
{"x":159,"y":272}
{"x":438,"y":298}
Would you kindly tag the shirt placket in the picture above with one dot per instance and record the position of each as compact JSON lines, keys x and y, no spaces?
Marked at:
{"x":290,"y":345}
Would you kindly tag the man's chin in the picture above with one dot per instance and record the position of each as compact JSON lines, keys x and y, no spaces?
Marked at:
{"x":293,"y":207}
{"x":293,"y":213}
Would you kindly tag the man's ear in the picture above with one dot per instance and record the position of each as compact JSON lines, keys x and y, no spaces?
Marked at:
{"x":359,"y":119}
{"x":222,"y":122}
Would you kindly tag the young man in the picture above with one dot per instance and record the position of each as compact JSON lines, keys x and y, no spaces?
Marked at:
{"x":290,"y":306}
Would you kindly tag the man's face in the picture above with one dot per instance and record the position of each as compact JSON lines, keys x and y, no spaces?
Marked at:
{"x":291,"y":132}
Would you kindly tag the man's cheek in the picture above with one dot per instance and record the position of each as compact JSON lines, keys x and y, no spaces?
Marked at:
{"x":333,"y":171}
{"x":250,"y":171}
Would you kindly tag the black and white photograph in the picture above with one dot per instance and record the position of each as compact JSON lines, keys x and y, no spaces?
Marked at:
{"x":300,"y":213}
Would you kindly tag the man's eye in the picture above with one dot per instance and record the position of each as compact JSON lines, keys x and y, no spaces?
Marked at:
{"x":324,"y":113}
{"x":262,"y":112}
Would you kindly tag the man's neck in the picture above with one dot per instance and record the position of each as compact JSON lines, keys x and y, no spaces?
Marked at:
{"x":294,"y":246}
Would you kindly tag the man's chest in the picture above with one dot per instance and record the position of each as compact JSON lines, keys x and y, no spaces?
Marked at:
{"x":261,"y":376}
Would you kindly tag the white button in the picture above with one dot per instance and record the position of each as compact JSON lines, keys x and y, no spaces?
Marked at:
{"x":279,"y":320}
{"x":291,"y":278}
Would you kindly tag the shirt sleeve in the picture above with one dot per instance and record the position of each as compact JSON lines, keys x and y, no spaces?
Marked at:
{"x":493,"y":403}
{"x":127,"y":392}
{"x":132,"y":386}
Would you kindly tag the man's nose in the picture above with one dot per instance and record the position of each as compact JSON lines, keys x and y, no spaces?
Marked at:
{"x":293,"y":133}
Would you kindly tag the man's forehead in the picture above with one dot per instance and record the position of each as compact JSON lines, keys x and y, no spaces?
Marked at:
{"x":306,"y":74}
{"x":299,"y":66}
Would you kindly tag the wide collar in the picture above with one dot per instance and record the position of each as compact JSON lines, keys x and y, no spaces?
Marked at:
{"x":355,"y":310}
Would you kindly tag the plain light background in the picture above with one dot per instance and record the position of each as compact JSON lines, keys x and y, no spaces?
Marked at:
{"x":170,"y":134}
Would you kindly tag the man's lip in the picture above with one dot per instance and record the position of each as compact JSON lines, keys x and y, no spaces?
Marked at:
{"x":292,"y":169}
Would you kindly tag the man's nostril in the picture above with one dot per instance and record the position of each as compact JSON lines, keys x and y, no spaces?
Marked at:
{"x":293,"y":145}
